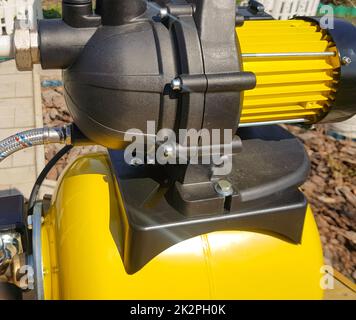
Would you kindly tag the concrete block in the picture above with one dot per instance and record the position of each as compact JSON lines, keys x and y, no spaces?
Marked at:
{"x":20,"y":110}
{"x":22,"y":188}
{"x":9,"y":67}
{"x":24,"y":85}
{"x":18,"y":175}
{"x":24,"y":158}
{"x":7,"y":115}
{"x":24,"y":113}
{"x":7,"y":163}
{"x":7,"y":87}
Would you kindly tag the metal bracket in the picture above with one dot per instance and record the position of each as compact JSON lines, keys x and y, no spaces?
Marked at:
{"x":37,"y":250}
{"x":219,"y":82}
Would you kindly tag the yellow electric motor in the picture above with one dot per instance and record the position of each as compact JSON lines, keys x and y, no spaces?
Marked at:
{"x":297,"y":69}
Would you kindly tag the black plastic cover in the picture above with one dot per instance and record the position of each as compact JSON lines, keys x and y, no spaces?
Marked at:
{"x":343,"y":34}
{"x":117,"y":76}
{"x":60,"y":43}
{"x":117,"y":12}
{"x":79,"y":14}
{"x":162,"y":210}
{"x":12,"y":213}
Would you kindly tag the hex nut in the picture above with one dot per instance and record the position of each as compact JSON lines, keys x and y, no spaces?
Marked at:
{"x":25,"y":46}
{"x":224,"y":188}
{"x":22,"y":44}
{"x":176,"y":84}
{"x":346,"y":60}
{"x":35,"y":52}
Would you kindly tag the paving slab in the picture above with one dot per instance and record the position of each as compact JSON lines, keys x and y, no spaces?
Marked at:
{"x":20,"y":109}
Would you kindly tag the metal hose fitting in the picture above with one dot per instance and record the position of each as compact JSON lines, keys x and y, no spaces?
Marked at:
{"x":34,"y":137}
{"x":10,"y":245}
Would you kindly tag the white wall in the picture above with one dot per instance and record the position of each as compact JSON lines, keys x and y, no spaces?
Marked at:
{"x":286,"y":9}
{"x":29,"y":10}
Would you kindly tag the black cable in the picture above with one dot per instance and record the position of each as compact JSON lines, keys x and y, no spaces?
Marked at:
{"x":43,"y":175}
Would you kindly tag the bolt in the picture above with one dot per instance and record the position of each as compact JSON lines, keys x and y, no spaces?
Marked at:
{"x":163,"y":13}
{"x":29,"y":222}
{"x":239,"y":20}
{"x":169,"y":151}
{"x":136,"y":162}
{"x":176,"y":84}
{"x":224,"y":188}
{"x":346,"y":60}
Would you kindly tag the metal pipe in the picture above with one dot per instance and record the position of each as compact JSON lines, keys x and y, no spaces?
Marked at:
{"x":37,"y":251}
{"x":32,"y":138}
{"x":289,"y":54}
{"x":267,"y":123}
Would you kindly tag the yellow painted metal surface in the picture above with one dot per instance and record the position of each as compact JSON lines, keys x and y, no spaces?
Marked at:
{"x":287,"y":88}
{"x":81,"y":259}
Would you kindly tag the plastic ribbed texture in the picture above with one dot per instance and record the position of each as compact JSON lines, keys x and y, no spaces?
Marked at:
{"x":287,"y":87}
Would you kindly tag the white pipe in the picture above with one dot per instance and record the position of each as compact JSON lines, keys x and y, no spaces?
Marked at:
{"x":6,"y":46}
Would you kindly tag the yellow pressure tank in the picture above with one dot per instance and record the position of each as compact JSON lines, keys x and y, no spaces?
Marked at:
{"x":82,"y":261}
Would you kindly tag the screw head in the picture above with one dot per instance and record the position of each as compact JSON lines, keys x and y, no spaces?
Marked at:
{"x":176,"y":84}
{"x":136,"y":162}
{"x":169,"y":151}
{"x":346,"y":60}
{"x":224,"y":188}
{"x":163,"y":13}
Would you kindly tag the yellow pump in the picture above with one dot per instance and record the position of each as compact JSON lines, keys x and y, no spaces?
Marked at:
{"x":79,"y":235}
{"x":122,"y":227}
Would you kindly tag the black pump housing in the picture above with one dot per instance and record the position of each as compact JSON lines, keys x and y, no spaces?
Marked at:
{"x":117,"y":75}
{"x":117,"y":12}
{"x":119,"y":61}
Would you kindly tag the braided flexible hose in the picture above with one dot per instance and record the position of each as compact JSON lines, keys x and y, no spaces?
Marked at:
{"x":32,"y":138}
